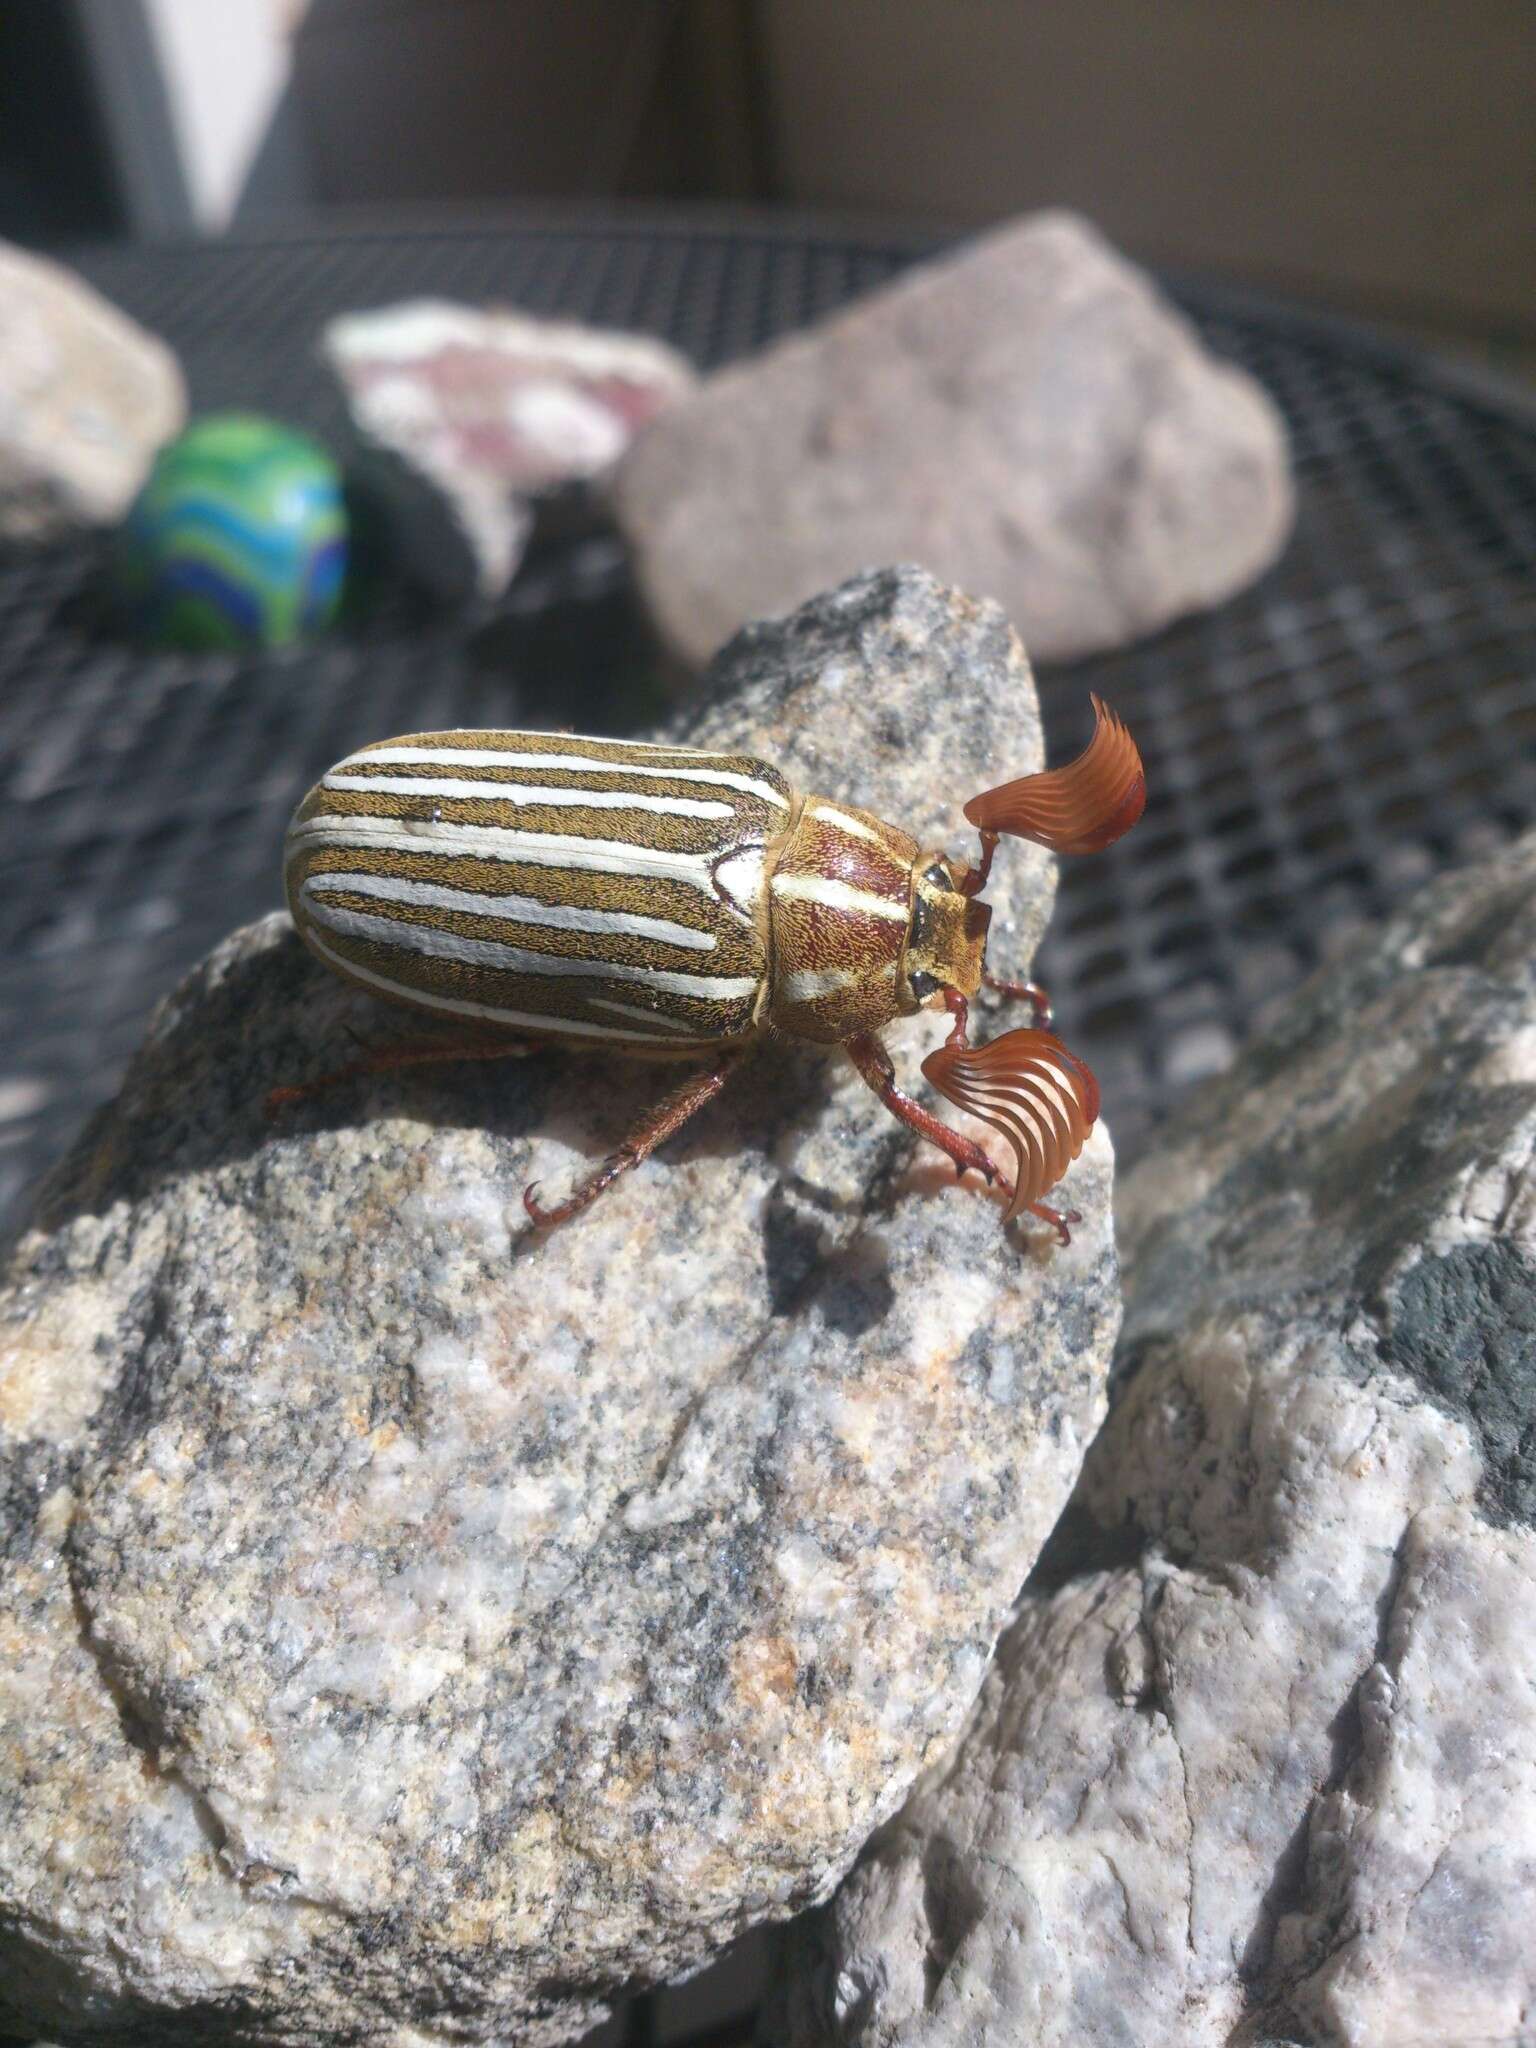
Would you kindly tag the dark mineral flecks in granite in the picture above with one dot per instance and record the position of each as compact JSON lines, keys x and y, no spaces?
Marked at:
{"x":1257,"y":1759}
{"x":423,"y":1634}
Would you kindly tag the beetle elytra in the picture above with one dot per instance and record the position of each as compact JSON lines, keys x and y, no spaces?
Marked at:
{"x":662,"y":902}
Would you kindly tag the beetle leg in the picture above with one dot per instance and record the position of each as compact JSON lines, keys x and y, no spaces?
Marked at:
{"x":669,"y":1115}
{"x":975,"y":880}
{"x":874,"y":1064}
{"x":410,"y":1053}
{"x":1057,"y":1218}
{"x":1023,"y":992}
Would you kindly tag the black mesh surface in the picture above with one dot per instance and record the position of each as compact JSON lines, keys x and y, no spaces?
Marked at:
{"x":1362,"y":717}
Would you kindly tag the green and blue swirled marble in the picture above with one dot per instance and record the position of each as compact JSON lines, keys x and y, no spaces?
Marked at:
{"x":238,"y":538}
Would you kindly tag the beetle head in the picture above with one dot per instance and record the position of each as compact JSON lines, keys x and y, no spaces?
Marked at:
{"x":947,"y":938}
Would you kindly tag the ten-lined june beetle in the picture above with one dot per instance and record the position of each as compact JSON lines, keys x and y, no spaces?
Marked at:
{"x":665,"y":903}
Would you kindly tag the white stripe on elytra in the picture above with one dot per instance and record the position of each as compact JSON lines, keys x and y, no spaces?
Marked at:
{"x":807,"y":983}
{"x":634,"y":1010}
{"x":579,"y":764}
{"x":461,"y":1006}
{"x":502,"y":842}
{"x":441,"y":945}
{"x":739,"y":883}
{"x":834,"y":895}
{"x":564,"y":917}
{"x":571,"y":739}
{"x":856,"y":827}
{"x":456,"y":789}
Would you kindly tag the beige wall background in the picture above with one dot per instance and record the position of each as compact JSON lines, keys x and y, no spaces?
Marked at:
{"x":1379,"y":152}
{"x":1374,"y":155}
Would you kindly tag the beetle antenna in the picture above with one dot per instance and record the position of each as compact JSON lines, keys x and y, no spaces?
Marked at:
{"x":1027,"y":1085}
{"x":1081,"y":808}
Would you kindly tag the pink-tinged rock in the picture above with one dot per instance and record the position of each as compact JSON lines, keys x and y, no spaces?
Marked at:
{"x":468,"y":416}
{"x":1027,"y":417}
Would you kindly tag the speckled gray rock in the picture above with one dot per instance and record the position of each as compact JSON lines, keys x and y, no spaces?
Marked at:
{"x":86,"y":397}
{"x":1257,"y":1758}
{"x":408,"y":1634}
{"x":1028,"y":417}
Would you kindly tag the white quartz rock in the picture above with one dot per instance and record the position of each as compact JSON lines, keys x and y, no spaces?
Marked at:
{"x":1256,"y":1761}
{"x":86,"y":398}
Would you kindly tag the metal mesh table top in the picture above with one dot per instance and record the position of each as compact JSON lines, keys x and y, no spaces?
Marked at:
{"x":1363,"y":716}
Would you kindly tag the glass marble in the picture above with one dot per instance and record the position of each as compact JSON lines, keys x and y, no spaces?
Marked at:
{"x":238,"y":538}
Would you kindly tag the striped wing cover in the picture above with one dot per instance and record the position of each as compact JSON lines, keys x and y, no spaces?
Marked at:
{"x":595,"y":890}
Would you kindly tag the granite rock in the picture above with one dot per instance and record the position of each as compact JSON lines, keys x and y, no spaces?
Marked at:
{"x":1256,"y":1762}
{"x":466,"y":418}
{"x":411,"y":1633}
{"x":86,"y":397}
{"x":1028,"y":417}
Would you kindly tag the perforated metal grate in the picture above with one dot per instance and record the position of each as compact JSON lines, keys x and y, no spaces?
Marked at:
{"x":1363,"y":717}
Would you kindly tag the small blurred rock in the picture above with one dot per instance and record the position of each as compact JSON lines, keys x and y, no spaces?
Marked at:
{"x":1028,"y":417}
{"x":86,"y":397}
{"x":467,"y":417}
{"x":1256,"y":1761}
{"x":412,"y":1634}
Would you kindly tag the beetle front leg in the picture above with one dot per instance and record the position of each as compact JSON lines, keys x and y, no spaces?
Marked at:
{"x":1058,"y":1219}
{"x":874,"y":1064}
{"x":386,"y":1059}
{"x":1023,"y":992}
{"x":668,"y":1116}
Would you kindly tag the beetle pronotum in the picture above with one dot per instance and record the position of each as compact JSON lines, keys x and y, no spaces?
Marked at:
{"x":666,"y":903}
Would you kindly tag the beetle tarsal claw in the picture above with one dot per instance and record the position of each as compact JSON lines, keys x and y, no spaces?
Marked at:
{"x":1028,"y":1086}
{"x":1081,"y":808}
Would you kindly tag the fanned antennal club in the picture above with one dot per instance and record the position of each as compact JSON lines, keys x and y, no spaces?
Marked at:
{"x":1027,"y":1085}
{"x":1081,"y":808}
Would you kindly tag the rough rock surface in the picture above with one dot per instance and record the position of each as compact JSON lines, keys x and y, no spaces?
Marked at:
{"x":467,"y":416}
{"x":86,"y":397}
{"x":411,"y":1634}
{"x":1029,"y":418}
{"x":1257,"y":1759}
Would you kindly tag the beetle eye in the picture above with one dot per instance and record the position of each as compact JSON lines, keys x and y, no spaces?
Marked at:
{"x":937,"y":875}
{"x":923,"y":984}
